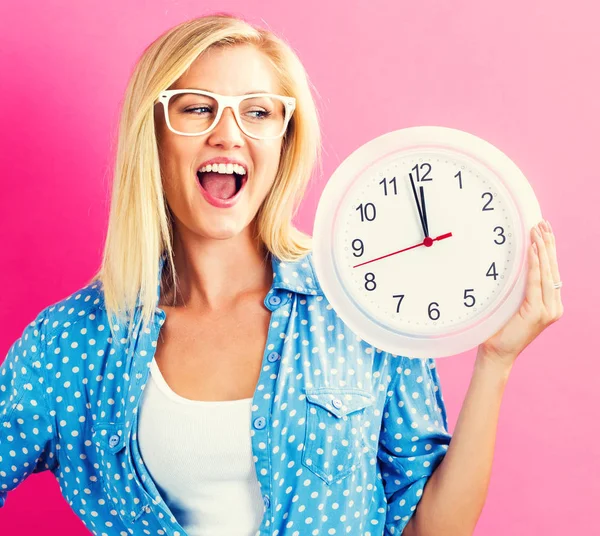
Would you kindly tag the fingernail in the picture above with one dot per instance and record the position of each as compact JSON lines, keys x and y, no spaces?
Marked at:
{"x":537,"y":231}
{"x":544,"y":226}
{"x":549,"y":226}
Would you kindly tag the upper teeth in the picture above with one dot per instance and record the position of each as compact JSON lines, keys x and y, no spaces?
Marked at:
{"x":224,"y":168}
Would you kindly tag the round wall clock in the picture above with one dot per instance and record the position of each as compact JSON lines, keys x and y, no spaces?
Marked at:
{"x":420,"y":241}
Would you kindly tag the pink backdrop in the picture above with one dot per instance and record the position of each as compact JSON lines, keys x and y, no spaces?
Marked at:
{"x":522,"y":75}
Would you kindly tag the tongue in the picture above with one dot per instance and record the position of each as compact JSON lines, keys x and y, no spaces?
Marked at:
{"x":218,"y":185}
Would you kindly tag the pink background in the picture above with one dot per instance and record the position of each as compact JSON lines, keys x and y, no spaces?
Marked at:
{"x":522,"y":75}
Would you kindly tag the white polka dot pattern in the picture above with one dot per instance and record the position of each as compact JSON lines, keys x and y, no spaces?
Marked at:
{"x":344,"y":436}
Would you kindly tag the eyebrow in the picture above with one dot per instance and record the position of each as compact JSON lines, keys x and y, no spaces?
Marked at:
{"x":247,"y":92}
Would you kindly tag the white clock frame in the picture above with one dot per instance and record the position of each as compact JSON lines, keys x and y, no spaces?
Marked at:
{"x":364,"y":162}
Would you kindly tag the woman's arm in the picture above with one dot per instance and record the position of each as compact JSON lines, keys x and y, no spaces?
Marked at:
{"x":454,"y":495}
{"x":27,"y":422}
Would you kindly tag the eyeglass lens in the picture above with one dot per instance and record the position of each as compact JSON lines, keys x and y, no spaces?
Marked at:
{"x":192,"y":113}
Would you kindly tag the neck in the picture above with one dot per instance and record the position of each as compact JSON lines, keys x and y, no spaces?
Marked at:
{"x":213,"y":275}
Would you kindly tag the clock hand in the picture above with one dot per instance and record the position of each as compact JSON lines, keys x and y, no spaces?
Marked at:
{"x":424,"y":212}
{"x":418,"y":205}
{"x":427,"y":242}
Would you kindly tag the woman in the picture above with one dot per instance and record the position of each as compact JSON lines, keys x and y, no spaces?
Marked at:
{"x":206,"y":320}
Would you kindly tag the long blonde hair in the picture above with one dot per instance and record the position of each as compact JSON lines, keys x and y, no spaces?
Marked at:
{"x":140,"y":225}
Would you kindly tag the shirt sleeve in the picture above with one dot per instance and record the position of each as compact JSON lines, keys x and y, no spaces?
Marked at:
{"x":414,"y":437}
{"x":27,"y":428}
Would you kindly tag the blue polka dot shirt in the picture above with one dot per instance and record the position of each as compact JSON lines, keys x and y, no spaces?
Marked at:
{"x":344,"y":435}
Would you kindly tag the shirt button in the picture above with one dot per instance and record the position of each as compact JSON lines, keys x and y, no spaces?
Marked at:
{"x":266,"y":500}
{"x":337,"y":403}
{"x":113,"y":440}
{"x":273,"y":356}
{"x":274,"y":300}
{"x":259,"y":423}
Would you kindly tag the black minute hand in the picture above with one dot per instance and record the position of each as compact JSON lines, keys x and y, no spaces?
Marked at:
{"x":418,"y":205}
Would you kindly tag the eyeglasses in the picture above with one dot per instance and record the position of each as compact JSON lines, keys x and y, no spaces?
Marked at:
{"x":192,"y":112}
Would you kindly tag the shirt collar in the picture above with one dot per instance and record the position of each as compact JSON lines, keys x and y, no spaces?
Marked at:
{"x":296,"y":276}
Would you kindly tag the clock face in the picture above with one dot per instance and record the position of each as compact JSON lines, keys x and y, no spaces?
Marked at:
{"x":420,"y":241}
{"x":417,"y":287}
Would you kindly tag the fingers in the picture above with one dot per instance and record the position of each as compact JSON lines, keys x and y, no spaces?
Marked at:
{"x":545,"y":273}
{"x":548,"y":268}
{"x":534,"y":279}
{"x":550,"y":243}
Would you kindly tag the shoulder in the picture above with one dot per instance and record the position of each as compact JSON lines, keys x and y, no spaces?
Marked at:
{"x":83,"y":304}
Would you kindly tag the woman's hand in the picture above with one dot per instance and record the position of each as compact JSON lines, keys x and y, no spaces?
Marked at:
{"x":541,"y":306}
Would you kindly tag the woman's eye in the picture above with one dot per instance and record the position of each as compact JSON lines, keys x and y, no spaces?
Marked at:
{"x":260,"y":113}
{"x":202,"y":109}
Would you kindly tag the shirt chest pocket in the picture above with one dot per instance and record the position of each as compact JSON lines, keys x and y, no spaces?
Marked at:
{"x":336,"y":439}
{"x":127,"y":497}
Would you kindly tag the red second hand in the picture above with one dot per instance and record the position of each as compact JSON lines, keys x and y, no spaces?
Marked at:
{"x":428,"y":242}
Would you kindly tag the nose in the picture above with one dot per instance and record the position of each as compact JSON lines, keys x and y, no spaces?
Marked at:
{"x":227,"y":131}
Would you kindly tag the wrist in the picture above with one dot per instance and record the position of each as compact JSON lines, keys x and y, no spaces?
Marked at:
{"x":489,"y":361}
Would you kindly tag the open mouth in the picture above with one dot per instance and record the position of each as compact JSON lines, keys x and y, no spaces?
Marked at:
{"x":221,"y":185}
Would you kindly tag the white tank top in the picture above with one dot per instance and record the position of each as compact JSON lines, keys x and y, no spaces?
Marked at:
{"x":199,"y":454}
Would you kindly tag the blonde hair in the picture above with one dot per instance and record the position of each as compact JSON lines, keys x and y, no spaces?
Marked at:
{"x":140,"y":225}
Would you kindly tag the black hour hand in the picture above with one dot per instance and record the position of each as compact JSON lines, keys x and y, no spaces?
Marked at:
{"x":424,"y":212}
